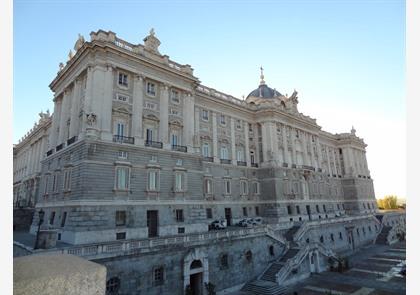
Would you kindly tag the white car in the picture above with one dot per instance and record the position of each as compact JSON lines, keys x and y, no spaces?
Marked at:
{"x":246,"y":222}
{"x":257,"y":220}
{"x":218,"y":224}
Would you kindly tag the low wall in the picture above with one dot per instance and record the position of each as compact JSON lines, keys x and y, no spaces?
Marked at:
{"x":57,"y":275}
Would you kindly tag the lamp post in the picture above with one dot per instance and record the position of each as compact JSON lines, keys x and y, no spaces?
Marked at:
{"x":41,"y":214}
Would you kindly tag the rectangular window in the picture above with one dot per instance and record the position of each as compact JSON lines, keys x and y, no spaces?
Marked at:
{"x":317,"y":208}
{"x":209,"y":213}
{"x":227,"y":187}
{"x":122,"y":155}
{"x":47,"y":179}
{"x":120,"y":218}
{"x":245,"y":211}
{"x":181,"y":230}
{"x":67,"y":180}
{"x":55,"y":182}
{"x":120,"y":236}
{"x":121,"y":97}
{"x":122,"y":178}
{"x":224,"y":153}
{"x":120,"y":129}
{"x":222,"y":120}
{"x":179,"y":186}
{"x":238,"y":124}
{"x":249,"y":127}
{"x":174,"y":96}
{"x":179,"y":215}
{"x":151,"y":88}
{"x":149,"y":135}
{"x":158,"y":274}
{"x":205,"y":115}
{"x":323,"y":207}
{"x":205,"y":150}
{"x":289,"y":210}
{"x":63,"y":219}
{"x":257,"y":211}
{"x":244,"y":187}
{"x":174,"y":139}
{"x":256,"y":188}
{"x":123,"y":79}
{"x":153,"y":181}
{"x":240,"y":155}
{"x":208,"y":186}
{"x":297,"y":209}
{"x":52,"y":216}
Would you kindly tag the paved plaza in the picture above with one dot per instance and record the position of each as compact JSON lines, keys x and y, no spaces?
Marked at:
{"x":374,"y":270}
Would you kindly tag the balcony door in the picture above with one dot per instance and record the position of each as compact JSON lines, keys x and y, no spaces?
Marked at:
{"x":149,"y":134}
{"x":152,"y":223}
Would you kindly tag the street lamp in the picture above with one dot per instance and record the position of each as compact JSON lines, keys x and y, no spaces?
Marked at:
{"x":41,"y":214}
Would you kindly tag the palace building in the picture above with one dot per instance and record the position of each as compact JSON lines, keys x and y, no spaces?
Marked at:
{"x":142,"y":157}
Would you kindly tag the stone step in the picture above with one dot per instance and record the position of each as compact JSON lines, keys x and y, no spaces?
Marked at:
{"x":259,"y":287}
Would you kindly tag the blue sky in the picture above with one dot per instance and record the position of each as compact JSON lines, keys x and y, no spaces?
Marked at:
{"x":345,"y":58}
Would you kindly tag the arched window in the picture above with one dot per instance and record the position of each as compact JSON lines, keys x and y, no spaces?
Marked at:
{"x":271,"y":249}
{"x":113,"y":285}
{"x":248,"y":256}
{"x":196,"y":264}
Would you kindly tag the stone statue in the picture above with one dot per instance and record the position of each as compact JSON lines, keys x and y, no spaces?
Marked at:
{"x":71,"y":54}
{"x":151,"y":43}
{"x":79,"y":43}
{"x":91,"y":119}
{"x":61,"y":66}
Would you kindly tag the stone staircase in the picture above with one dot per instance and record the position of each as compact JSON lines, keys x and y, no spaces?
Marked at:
{"x":266,"y":284}
{"x":290,"y":234}
{"x":383,"y":235}
{"x":261,"y":287}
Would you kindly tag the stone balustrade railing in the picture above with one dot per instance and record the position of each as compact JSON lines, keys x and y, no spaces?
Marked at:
{"x":128,"y":247}
{"x":307,"y":225}
{"x":221,"y":95}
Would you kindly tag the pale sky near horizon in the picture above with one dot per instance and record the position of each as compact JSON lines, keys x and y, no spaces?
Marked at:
{"x":345,"y":58}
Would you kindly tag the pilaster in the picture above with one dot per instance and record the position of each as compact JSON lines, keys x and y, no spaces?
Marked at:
{"x":163,"y":115}
{"x":106,"y":113}
{"x":233,"y":140}
{"x":286,"y":154}
{"x":64,"y":116}
{"x":74,"y":113}
{"x":328,"y":159}
{"x":214,"y":137}
{"x":188,"y":114}
{"x":137,"y":116}
{"x":247,"y":154}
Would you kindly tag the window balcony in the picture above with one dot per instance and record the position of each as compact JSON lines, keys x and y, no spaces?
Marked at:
{"x":50,"y":152}
{"x":59,"y":147}
{"x":285,"y":165}
{"x":71,"y":140}
{"x":225,"y":161}
{"x":179,"y":148}
{"x":255,"y":165}
{"x":153,"y":144}
{"x":241,"y":163}
{"x":293,"y":165}
{"x":208,"y":159}
{"x":123,"y":139}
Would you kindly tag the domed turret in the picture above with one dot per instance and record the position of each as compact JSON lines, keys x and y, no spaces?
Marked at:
{"x":263,"y":91}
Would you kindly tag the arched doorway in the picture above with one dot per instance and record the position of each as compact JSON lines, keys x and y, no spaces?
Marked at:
{"x":196,"y":277}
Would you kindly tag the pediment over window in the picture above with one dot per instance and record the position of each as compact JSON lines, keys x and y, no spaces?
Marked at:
{"x":176,"y":123}
{"x":151,"y":117}
{"x":121,"y":110}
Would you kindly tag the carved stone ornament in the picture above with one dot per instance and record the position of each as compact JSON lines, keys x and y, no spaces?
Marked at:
{"x":61,"y":66}
{"x":79,"y":43}
{"x":151,"y":43}
{"x":91,"y":119}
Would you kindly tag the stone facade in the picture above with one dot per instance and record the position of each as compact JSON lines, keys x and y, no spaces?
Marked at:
{"x":139,"y":149}
{"x":27,"y":157}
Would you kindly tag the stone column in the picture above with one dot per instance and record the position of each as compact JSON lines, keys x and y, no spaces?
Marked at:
{"x":334,"y":163}
{"x":305,"y":149}
{"x":64,"y":116}
{"x":75,"y":108}
{"x":233,"y":140}
{"x":328,"y":159}
{"x":86,"y":107}
{"x":274,"y":142}
{"x":292,"y":139}
{"x":265,"y":141}
{"x":106,"y":113}
{"x":55,"y":123}
{"x":137,"y":117}
{"x":319,"y":153}
{"x":257,"y":143}
{"x":188,"y":115}
{"x":347,"y":162}
{"x":286,"y":154}
{"x":365,"y":164}
{"x":163,"y":115}
{"x":214,"y":137}
{"x":196,"y":136}
{"x":247,"y":155}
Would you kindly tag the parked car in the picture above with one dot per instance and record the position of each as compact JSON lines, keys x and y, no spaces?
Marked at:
{"x":218,"y":224}
{"x":257,"y":220}
{"x":246,"y":222}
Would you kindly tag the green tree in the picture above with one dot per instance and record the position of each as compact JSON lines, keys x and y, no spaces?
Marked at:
{"x":388,"y":202}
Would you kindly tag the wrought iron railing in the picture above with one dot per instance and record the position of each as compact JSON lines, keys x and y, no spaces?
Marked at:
{"x":208,"y":159}
{"x":241,"y":163}
{"x":154,"y":144}
{"x":254,"y":165}
{"x":59,"y":147}
{"x":123,"y":139}
{"x":179,"y":148}
{"x":71,"y":140}
{"x":50,"y":152}
{"x":225,"y":161}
